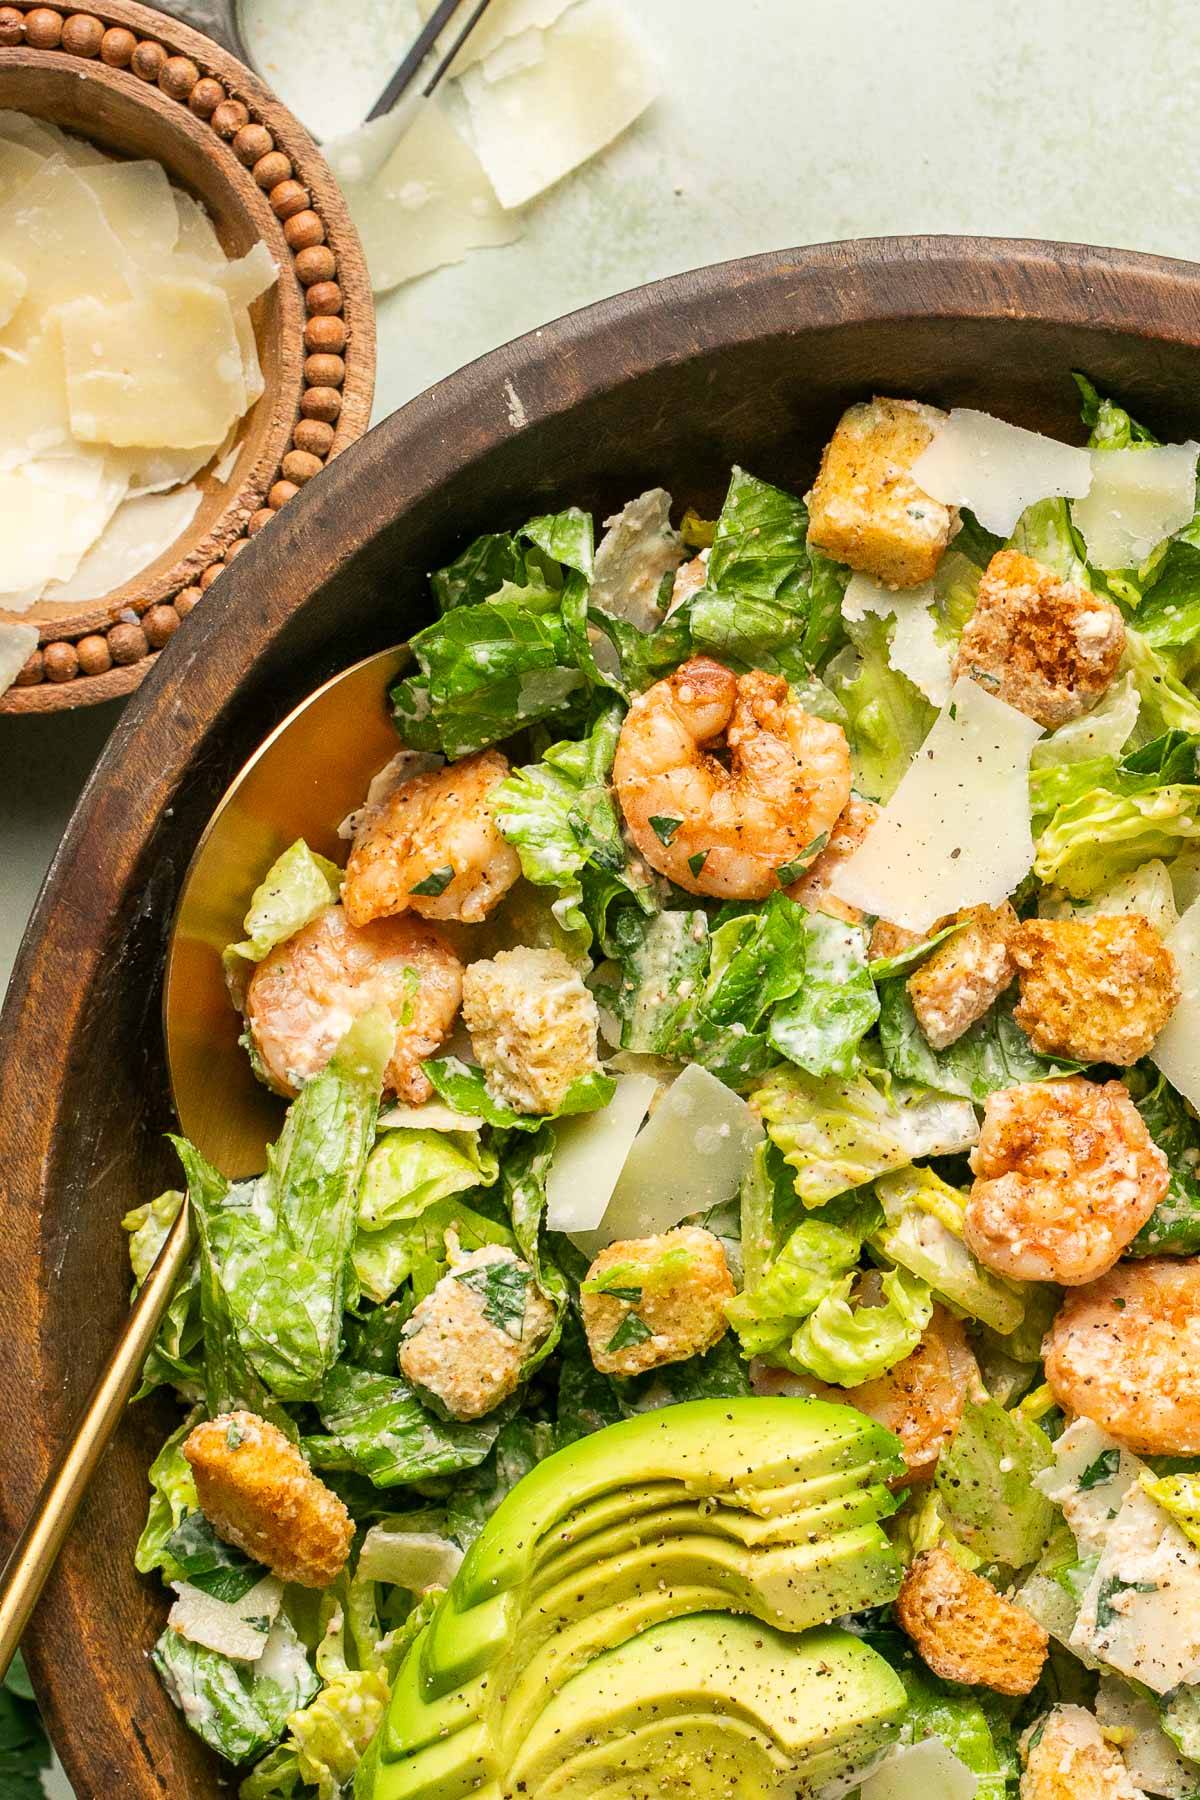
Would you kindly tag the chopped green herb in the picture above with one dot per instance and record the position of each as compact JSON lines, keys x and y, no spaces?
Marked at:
{"x":632,"y":1294}
{"x":234,"y":1436}
{"x":794,"y":870}
{"x":664,"y":827}
{"x":1106,"y":1612}
{"x":1103,"y":1469}
{"x":434,"y":884}
{"x":631,"y":1330}
{"x":502,"y":1287}
{"x":697,"y":862}
{"x":953,"y":709}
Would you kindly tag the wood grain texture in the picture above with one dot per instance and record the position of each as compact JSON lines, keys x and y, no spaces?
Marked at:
{"x":132,"y":117}
{"x":753,"y":362}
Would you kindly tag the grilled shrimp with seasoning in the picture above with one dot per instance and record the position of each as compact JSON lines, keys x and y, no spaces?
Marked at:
{"x":737,"y":832}
{"x":433,"y":847}
{"x":309,"y":989}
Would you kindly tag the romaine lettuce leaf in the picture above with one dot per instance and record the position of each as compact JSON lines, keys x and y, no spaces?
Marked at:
{"x":149,"y":1226}
{"x":812,"y":1263}
{"x":1173,"y":1228}
{"x":239,"y":1709}
{"x":175,"y":1358}
{"x":407,"y":1172}
{"x":1110,"y":425}
{"x":1091,"y":841}
{"x":760,"y":546}
{"x":981,"y":1742}
{"x":463,"y":1087}
{"x":1044,"y":531}
{"x":298,"y":885}
{"x":172,"y":1496}
{"x":889,"y":718}
{"x":559,"y":815}
{"x":992,"y":1054}
{"x":1178,"y":1495}
{"x":1101,"y":733}
{"x":376,"y":1426}
{"x":838,"y":1134}
{"x":821,"y":1027}
{"x":523,"y":1170}
{"x":985,"y":1479}
{"x":849,"y":1344}
{"x":924,"y":1234}
{"x":1167,"y":703}
{"x":475,"y":1495}
{"x":275,"y":1252}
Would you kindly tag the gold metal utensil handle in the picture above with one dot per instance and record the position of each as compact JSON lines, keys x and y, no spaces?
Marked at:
{"x":37,"y":1548}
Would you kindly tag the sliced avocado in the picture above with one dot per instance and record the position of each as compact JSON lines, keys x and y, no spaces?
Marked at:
{"x":736,"y":1447}
{"x":801,"y":1696}
{"x":713,"y":1508}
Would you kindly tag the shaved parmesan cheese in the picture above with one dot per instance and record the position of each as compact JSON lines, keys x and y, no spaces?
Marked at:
{"x":998,"y":469}
{"x":197,"y":233}
{"x":54,"y":230}
{"x":589,"y":1152}
{"x":17,"y":166}
{"x":140,"y":531}
{"x":17,"y":645}
{"x":238,"y":1628}
{"x":956,"y":832}
{"x":514,"y":54}
{"x":252,"y":274}
{"x":123,"y":366}
{"x":1138,"y":497}
{"x":420,"y":199}
{"x":691,"y":1155}
{"x":594,"y":79}
{"x":12,"y":290}
{"x":638,"y":548}
{"x":47,"y":524}
{"x":33,"y":399}
{"x":914,"y":650}
{"x":929,"y":1767}
{"x":503,"y":20}
{"x":138,"y":203}
{"x":1177,"y":1049}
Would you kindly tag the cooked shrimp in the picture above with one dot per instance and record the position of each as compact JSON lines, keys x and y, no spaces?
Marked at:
{"x":1066,"y":1175}
{"x":732,"y":832}
{"x":921,"y":1399}
{"x":434,"y":848}
{"x":305,"y":994}
{"x":1125,"y":1353}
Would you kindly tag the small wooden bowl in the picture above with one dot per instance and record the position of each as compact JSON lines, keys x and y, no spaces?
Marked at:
{"x":139,"y":84}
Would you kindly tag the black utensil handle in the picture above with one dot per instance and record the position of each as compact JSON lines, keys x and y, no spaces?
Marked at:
{"x":218,"y":19}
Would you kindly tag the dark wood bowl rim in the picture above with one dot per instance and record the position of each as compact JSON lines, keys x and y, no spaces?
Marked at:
{"x":181,"y":707}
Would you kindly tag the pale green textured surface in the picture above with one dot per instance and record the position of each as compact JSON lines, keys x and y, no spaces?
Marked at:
{"x":782,"y":122}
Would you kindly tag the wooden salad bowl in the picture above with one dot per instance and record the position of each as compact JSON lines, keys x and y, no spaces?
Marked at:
{"x":139,"y":84}
{"x":750,"y":362}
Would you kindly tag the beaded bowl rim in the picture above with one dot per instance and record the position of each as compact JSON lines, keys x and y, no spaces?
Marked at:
{"x":123,"y":634}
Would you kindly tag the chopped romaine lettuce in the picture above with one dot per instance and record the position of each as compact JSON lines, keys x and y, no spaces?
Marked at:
{"x":813,"y":1262}
{"x":463,"y":1087}
{"x":1110,"y":425}
{"x":238,"y":1708}
{"x":889,"y":719}
{"x":839,"y":1133}
{"x":406,"y":1173}
{"x":1044,"y":531}
{"x":848,"y":1344}
{"x":924,"y":1234}
{"x":172,"y":1497}
{"x":377,"y":1427}
{"x":821,"y":1027}
{"x":298,"y":885}
{"x":521,"y":1444}
{"x":1173,"y":1228}
{"x":985,"y":1478}
{"x":992,"y":1054}
{"x":149,"y":1226}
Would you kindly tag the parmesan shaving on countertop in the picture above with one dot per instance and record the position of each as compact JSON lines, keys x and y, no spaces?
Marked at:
{"x":417,"y":194}
{"x":533,"y":127}
{"x":957,"y":830}
{"x":997,"y":469}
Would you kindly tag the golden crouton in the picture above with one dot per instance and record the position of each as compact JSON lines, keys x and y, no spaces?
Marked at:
{"x":533,"y":1026}
{"x":864,"y":507}
{"x":469,"y":1339}
{"x":888,"y":940}
{"x":1094,"y":990}
{"x":258,"y":1493}
{"x":1045,"y":646}
{"x":965,"y":975}
{"x":1067,"y":1758}
{"x":965,"y":1630}
{"x":811,"y":890}
{"x":655,"y":1300}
